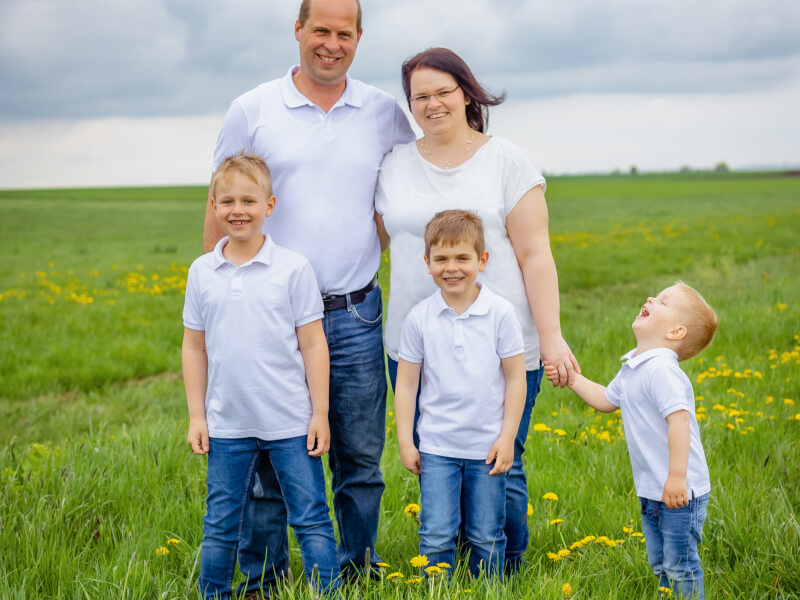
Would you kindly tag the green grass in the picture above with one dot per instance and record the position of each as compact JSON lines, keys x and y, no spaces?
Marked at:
{"x":95,"y":474}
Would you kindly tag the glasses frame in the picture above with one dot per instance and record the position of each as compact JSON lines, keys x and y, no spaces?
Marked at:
{"x":423,"y":99}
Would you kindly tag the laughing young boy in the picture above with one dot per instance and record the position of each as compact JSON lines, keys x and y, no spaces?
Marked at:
{"x":467,"y":344}
{"x":656,"y":400}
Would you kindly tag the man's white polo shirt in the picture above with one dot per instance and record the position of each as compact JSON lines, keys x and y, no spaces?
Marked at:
{"x":256,"y":374}
{"x":462,"y":391}
{"x":648,"y":388}
{"x":324,"y":169}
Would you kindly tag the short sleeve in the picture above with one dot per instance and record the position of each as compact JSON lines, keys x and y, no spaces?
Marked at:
{"x":412,"y":346}
{"x":192,"y":311}
{"x":402,"y":132}
{"x":518,"y":175}
{"x":381,"y":200}
{"x":305,"y":298}
{"x":233,"y":137}
{"x":614,"y":390}
{"x":509,"y":340}
{"x":668,"y":386}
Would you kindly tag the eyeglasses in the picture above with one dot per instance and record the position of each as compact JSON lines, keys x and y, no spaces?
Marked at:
{"x":425,"y":98}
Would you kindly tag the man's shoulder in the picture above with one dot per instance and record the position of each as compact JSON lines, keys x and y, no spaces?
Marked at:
{"x":370,"y":92}
{"x":266,"y":91}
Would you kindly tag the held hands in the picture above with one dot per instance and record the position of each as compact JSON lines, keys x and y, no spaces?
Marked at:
{"x":557,"y":354}
{"x":551,"y":372}
{"x":675,"y":494}
{"x":409,"y":456}
{"x":319,"y":435}
{"x":502,"y":454}
{"x":198,"y":435}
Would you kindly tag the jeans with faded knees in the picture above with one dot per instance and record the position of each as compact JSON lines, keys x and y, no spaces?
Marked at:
{"x":516,"y":528}
{"x":357,"y":416}
{"x":232,"y":464}
{"x":671,"y":537}
{"x":448,"y":484}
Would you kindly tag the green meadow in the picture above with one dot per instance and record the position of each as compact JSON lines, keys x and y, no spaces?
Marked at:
{"x":101,"y":497}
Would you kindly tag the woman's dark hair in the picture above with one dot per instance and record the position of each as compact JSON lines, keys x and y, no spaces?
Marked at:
{"x":443,"y":59}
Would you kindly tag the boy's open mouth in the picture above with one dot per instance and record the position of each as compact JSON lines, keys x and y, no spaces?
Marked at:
{"x":645,"y":312}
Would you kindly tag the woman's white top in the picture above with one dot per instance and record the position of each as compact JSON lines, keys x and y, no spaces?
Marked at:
{"x":412,"y":190}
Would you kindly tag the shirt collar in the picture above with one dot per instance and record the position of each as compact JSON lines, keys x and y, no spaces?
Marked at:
{"x":353,"y":94}
{"x":263,"y":256}
{"x":479,"y":307}
{"x":634,"y":361}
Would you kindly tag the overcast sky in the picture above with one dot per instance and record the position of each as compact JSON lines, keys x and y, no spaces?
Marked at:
{"x":99,"y":92}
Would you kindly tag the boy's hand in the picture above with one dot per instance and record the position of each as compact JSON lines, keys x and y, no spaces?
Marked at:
{"x":675,"y":493}
{"x":409,"y":456}
{"x":198,"y":435}
{"x":551,"y":371}
{"x":319,"y":435}
{"x":502,"y":454}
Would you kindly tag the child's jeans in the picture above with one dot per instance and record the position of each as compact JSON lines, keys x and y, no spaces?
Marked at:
{"x":231,"y":467}
{"x":442,"y":481}
{"x":672,"y":537}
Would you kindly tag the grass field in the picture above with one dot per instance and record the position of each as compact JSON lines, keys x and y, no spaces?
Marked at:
{"x":100,"y":497}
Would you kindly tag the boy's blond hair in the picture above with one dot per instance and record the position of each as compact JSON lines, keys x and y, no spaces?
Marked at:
{"x":451,"y":227}
{"x":701,"y":323}
{"x":251,"y":166}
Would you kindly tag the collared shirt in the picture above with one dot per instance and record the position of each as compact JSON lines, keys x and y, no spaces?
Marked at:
{"x":256,"y":374}
{"x":463,"y":387}
{"x":648,"y":388}
{"x":324,"y":168}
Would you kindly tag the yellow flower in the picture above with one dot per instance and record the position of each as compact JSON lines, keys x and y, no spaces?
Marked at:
{"x":564,"y":552}
{"x":530,"y":509}
{"x":161,"y":551}
{"x":381,"y":564}
{"x":549,"y":496}
{"x":173,"y":541}
{"x":413,"y":580}
{"x":541,"y":427}
{"x":395,"y":575}
{"x":627,"y":529}
{"x":566,"y":589}
{"x":556,"y":521}
{"x":788,"y":401}
{"x":411,"y":510}
{"x":665,"y":591}
{"x":554,"y":557}
{"x":419,"y":561}
{"x":560,"y":432}
{"x":433,"y":570}
{"x":637,"y":534}
{"x":443,"y":565}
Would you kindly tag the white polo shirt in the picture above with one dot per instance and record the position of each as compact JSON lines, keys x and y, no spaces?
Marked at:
{"x":462,"y":391}
{"x":648,"y":388}
{"x":324,"y":167}
{"x":256,"y":374}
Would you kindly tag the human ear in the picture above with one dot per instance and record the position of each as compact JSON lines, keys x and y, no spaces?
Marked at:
{"x":270,"y":205}
{"x":428,"y":263}
{"x":482,"y":260}
{"x":297,"y":28}
{"x":677,"y":333}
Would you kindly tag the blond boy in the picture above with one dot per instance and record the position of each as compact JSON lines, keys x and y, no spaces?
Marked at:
{"x":656,"y":400}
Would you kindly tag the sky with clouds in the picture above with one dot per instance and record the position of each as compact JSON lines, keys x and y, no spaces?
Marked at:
{"x":117,"y":93}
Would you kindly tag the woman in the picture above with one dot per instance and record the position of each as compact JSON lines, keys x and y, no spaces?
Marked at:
{"x":456,"y":165}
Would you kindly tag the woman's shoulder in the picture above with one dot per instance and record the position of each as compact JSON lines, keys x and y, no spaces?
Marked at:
{"x":400,"y":152}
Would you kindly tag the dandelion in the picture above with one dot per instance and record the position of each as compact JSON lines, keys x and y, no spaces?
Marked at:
{"x":638,"y":534}
{"x":530,"y":509}
{"x":556,"y":521}
{"x":627,"y":529}
{"x":411,"y":509}
{"x":564,"y":552}
{"x":665,"y":591}
{"x":540,"y":427}
{"x":173,"y":541}
{"x":566,"y":590}
{"x":788,"y":401}
{"x":413,"y":580}
{"x":553,"y":556}
{"x":395,"y":575}
{"x":549,"y":496}
{"x":443,"y":565}
{"x":419,"y":561}
{"x":162,"y":551}
{"x":560,"y":432}
{"x":382,"y":564}
{"x":433,"y":570}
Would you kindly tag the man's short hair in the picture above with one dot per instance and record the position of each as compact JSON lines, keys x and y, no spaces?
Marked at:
{"x":251,"y":166}
{"x":451,"y":227}
{"x":700,"y":320}
{"x":305,"y":10}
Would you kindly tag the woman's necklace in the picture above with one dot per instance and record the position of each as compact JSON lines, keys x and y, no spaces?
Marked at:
{"x":445,"y":164}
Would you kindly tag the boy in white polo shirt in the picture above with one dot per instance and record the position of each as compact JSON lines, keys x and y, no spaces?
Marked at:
{"x":252,"y":321}
{"x":467,"y":344}
{"x":656,"y":400}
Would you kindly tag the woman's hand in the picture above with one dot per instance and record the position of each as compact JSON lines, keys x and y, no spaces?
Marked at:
{"x":558,"y":356}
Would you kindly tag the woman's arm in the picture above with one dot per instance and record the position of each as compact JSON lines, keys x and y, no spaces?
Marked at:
{"x":526,"y":225}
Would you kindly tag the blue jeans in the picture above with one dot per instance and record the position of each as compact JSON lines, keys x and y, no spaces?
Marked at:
{"x":448,"y":484}
{"x":671,"y":537}
{"x":232,"y":465}
{"x":357,"y":416}
{"x":516,"y":528}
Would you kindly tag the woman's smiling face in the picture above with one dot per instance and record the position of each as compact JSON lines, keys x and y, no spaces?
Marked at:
{"x":435,"y":110}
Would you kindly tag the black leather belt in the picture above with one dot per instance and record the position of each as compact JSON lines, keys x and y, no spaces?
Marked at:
{"x":334,"y":302}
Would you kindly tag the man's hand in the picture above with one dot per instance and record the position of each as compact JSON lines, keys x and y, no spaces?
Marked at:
{"x":319,"y":436}
{"x":409,"y":456}
{"x":198,"y":436}
{"x":675,"y":494}
{"x":501,"y":454}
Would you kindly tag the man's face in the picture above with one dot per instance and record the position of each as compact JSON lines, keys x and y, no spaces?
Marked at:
{"x":328,"y":40}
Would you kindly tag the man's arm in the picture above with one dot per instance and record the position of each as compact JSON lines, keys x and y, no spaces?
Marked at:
{"x":314,"y":348}
{"x":211,"y":230}
{"x":502,"y":451}
{"x":405,"y":399}
{"x":675,"y":493}
{"x":195,"y":369}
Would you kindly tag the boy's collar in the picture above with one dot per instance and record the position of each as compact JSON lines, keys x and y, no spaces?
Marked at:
{"x":292,"y":97}
{"x":480,"y":306}
{"x":264,"y":254}
{"x":634,"y":360}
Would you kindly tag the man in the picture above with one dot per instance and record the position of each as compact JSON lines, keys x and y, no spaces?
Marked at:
{"x":323,"y":136}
